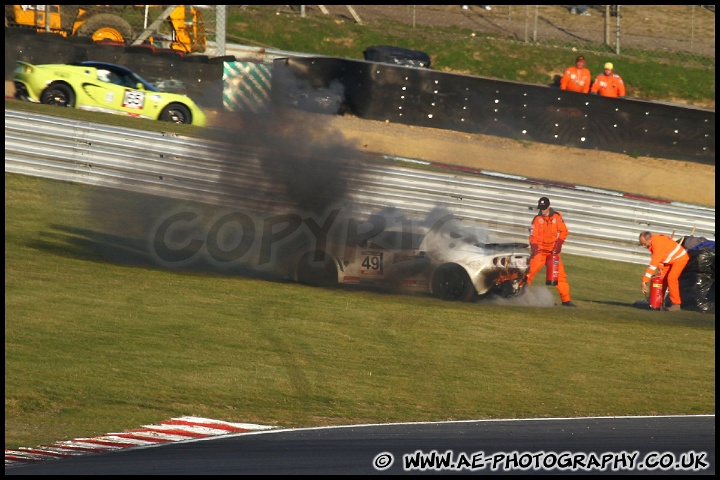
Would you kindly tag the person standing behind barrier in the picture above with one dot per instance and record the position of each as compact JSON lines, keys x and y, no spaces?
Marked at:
{"x":547,"y":235}
{"x":577,"y":78}
{"x":668,"y":256}
{"x":609,"y":83}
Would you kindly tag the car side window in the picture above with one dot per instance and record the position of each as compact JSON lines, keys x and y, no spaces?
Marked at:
{"x":127,"y":81}
{"x":115,"y":78}
{"x":109,"y":77}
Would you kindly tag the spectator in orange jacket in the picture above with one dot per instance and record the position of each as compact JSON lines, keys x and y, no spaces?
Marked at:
{"x":670,"y":258}
{"x":547,"y":235}
{"x":577,"y":78}
{"x":608,"y":83}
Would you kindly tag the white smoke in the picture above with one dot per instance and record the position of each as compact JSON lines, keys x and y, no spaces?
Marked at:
{"x":530,"y":296}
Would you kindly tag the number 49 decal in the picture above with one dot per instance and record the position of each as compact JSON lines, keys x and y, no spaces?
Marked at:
{"x":372,"y":264}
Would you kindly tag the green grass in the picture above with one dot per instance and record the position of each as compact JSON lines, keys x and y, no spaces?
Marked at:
{"x":650,"y":75}
{"x":99,"y":339}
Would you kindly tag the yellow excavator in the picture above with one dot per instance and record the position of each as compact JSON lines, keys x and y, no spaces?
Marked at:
{"x":177,"y":27}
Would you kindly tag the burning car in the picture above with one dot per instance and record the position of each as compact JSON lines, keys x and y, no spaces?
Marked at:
{"x":449,"y":263}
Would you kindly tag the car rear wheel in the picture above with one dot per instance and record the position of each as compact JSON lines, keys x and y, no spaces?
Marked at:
{"x":58,"y":94}
{"x":320,"y":274}
{"x":176,"y":113}
{"x":451,"y":282}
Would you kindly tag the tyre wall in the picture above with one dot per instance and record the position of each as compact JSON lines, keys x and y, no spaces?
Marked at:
{"x":535,"y":113}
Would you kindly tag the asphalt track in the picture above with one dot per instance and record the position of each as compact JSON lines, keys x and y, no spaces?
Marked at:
{"x":603,"y":445}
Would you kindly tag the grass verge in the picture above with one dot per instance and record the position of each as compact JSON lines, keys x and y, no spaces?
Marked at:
{"x":97,"y":340}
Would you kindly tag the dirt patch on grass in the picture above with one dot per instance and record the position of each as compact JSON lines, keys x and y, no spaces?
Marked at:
{"x":656,"y":178}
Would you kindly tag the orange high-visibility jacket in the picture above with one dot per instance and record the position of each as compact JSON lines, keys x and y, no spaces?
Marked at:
{"x":576,"y":80}
{"x":544,"y":231}
{"x":609,"y":85}
{"x":664,"y":251}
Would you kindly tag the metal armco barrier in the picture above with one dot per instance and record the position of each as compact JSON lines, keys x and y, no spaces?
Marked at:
{"x":601,"y":225}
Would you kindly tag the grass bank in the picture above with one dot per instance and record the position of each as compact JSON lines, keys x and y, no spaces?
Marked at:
{"x":98,"y":339}
{"x":648,"y":75}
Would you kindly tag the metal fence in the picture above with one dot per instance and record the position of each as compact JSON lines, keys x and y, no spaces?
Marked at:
{"x":679,"y":33}
{"x":247,"y":180}
{"x":676,"y":31}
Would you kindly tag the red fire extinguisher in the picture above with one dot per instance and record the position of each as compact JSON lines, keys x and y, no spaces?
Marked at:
{"x":552,"y":267}
{"x":656,"y":293}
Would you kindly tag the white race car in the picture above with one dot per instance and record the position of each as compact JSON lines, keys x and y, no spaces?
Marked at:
{"x":451,"y":264}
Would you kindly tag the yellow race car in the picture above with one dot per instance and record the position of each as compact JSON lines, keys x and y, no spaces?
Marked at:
{"x":103,"y":87}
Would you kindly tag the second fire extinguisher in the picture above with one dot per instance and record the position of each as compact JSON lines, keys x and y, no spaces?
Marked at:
{"x":552,"y":266}
{"x":656,"y":293}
